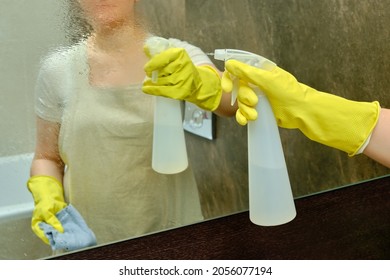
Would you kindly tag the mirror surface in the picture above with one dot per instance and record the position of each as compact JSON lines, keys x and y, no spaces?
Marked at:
{"x":334,"y":46}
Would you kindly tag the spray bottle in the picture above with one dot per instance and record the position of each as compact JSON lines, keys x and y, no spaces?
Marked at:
{"x":169,"y":147}
{"x":270,"y":196}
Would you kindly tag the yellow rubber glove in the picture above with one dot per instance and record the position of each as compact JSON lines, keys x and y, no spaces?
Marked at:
{"x":49,"y":200}
{"x":179,"y":78}
{"x":325,"y":118}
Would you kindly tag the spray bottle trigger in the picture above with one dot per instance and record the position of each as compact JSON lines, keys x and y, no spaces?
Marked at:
{"x":236,"y":84}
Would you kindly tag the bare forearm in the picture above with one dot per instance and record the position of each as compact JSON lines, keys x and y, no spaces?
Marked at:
{"x":225,"y":109}
{"x":47,"y":160}
{"x":379,"y":146}
{"x":47,"y":167}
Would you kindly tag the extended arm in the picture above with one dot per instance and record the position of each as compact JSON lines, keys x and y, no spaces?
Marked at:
{"x":323,"y":117}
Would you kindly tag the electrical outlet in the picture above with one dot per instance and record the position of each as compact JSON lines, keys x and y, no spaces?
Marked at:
{"x":198,"y":121}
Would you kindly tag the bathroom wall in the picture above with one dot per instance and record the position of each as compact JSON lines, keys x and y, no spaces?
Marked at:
{"x":337,"y":46}
{"x":28,"y":29}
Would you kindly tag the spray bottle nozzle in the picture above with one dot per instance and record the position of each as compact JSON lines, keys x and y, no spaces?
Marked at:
{"x":245,"y":57}
{"x":156,"y":45}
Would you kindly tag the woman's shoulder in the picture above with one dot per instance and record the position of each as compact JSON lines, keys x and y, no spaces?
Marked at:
{"x":58,"y":58}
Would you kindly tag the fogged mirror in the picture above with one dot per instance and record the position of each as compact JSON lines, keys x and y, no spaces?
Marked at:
{"x":335,"y":46}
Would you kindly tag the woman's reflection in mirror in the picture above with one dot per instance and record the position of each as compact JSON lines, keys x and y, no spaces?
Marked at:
{"x":95,"y":128}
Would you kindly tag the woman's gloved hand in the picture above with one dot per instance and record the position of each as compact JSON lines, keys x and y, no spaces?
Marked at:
{"x":179,"y":78}
{"x":49,"y":200}
{"x":325,"y":118}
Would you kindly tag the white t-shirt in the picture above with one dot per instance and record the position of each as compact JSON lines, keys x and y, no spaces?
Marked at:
{"x":55,"y":78}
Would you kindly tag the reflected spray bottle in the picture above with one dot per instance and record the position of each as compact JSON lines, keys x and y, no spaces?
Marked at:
{"x":271,"y":200}
{"x":169,"y":147}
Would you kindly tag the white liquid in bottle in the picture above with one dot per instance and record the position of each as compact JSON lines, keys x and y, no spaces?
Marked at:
{"x":169,"y":147}
{"x":271,"y":200}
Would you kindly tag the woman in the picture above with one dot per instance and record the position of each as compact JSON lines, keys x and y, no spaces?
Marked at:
{"x":94,"y":129}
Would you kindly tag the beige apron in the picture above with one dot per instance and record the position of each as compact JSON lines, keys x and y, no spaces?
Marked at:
{"x":106,"y":144}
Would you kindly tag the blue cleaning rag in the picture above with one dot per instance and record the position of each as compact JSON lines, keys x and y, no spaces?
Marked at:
{"x":76,"y":235}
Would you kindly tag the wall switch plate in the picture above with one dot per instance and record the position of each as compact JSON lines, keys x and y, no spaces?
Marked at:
{"x":198,"y":121}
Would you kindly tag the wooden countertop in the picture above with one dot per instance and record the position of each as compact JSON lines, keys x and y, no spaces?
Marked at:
{"x":348,"y":223}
